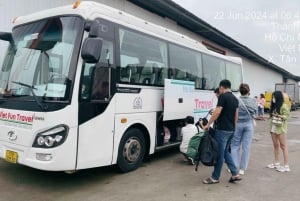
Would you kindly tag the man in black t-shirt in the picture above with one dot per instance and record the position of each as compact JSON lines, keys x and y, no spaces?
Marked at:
{"x":226,"y":115}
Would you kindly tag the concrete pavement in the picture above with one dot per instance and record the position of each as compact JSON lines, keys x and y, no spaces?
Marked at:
{"x":163,"y":177}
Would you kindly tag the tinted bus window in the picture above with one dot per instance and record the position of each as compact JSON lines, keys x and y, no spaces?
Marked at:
{"x":185,"y":65}
{"x":143,"y":59}
{"x":234,"y":74}
{"x":213,"y":71}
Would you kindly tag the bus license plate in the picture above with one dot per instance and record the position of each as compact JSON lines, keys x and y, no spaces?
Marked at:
{"x":11,"y":156}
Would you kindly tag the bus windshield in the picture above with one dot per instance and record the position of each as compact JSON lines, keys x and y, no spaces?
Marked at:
{"x":41,"y":58}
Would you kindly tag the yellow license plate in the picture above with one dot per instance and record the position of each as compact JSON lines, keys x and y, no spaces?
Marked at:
{"x":11,"y":156}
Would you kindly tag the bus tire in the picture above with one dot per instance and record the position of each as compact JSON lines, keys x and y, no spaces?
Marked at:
{"x":131,"y":150}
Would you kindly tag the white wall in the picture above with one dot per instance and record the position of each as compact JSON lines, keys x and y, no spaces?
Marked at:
{"x":292,"y":81}
{"x":259,"y":78}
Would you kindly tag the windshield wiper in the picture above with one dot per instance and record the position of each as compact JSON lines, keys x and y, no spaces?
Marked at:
{"x":43,"y":107}
{"x":24,"y":85}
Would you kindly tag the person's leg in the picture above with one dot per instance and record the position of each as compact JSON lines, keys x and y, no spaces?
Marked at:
{"x":284,"y":148}
{"x":236,"y":144}
{"x":185,"y":158}
{"x":276,"y":163}
{"x":221,"y":143}
{"x":246,"y":144}
{"x":258,"y":112}
{"x":227,"y":155}
{"x":261,"y":113}
{"x":276,"y":147}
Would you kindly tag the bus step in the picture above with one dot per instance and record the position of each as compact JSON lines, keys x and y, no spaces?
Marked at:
{"x":167,"y":146}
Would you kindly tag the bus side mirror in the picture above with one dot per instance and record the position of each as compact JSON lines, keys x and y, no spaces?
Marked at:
{"x":95,"y":30}
{"x":91,"y":50}
{"x":6,"y":36}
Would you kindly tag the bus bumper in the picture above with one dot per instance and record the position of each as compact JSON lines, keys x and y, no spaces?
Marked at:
{"x":61,"y":158}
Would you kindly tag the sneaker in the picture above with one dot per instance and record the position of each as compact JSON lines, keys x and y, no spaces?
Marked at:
{"x":191,"y":161}
{"x":242,"y":172}
{"x":285,"y":168}
{"x":273,"y":165}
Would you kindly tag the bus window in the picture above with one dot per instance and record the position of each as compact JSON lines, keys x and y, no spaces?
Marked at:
{"x":234,"y":74}
{"x":185,"y":65}
{"x":95,"y":80}
{"x":59,"y":60}
{"x":213,"y":71}
{"x":143,"y":59}
{"x":95,"y":84}
{"x":128,"y":70}
{"x":6,"y":66}
{"x":160,"y":72}
{"x":100,"y":84}
{"x":86,"y":81}
{"x":107,"y":53}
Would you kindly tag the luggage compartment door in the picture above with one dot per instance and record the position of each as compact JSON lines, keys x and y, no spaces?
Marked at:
{"x":178,"y":99}
{"x":181,"y":99}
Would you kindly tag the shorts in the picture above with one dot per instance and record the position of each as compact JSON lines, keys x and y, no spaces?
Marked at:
{"x":274,"y":130}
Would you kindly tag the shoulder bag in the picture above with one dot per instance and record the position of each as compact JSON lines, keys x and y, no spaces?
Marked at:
{"x":277,"y":121}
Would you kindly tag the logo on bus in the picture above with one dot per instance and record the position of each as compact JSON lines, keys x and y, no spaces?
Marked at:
{"x":12,"y":136}
{"x":138,"y":103}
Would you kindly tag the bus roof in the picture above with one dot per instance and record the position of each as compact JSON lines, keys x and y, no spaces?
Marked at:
{"x":91,"y":10}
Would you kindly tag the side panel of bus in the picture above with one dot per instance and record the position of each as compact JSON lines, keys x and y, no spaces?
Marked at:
{"x":139,"y":110}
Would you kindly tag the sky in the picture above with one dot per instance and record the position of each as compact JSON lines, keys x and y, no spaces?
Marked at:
{"x":271,"y":28}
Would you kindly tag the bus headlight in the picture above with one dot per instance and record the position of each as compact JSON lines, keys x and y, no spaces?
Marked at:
{"x":49,"y":141}
{"x":52,"y":137}
{"x":41,"y":140}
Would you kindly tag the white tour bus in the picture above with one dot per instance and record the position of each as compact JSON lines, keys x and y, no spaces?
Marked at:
{"x":87,"y":85}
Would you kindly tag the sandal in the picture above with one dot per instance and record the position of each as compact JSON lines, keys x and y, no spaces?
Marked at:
{"x":210,"y":181}
{"x":274,"y":165}
{"x":233,"y":179}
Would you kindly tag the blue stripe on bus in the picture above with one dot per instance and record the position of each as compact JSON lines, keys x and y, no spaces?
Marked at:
{"x":201,"y":111}
{"x":182,"y":82}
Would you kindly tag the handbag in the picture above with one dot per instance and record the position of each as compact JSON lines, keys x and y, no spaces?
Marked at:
{"x":253,"y":120}
{"x":277,"y":121}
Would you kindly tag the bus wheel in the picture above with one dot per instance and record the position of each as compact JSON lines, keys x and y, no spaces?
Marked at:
{"x":131,"y":150}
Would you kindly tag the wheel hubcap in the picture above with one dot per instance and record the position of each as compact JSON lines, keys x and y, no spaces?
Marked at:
{"x":132,"y":150}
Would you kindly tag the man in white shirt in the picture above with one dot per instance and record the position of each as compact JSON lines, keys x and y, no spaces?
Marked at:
{"x":187,"y":132}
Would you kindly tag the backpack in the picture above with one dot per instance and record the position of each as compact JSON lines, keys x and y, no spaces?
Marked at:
{"x":194,"y":144}
{"x":208,"y":150}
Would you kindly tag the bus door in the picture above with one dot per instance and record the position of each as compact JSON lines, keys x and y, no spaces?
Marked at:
{"x":96,"y":119}
{"x":96,"y":110}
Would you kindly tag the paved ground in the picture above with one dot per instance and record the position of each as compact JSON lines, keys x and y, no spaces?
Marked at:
{"x":162,"y":178}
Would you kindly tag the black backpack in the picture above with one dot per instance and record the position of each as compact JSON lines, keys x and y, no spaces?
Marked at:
{"x":208,"y":150}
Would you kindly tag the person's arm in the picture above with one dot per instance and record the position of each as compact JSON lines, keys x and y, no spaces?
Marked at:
{"x":214,"y":117}
{"x":253,"y":108}
{"x":236,"y":116}
{"x":284,"y":113}
{"x":182,"y":131}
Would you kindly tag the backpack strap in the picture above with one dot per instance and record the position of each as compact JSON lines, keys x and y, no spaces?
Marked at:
{"x":197,"y":157}
{"x":197,"y":128}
